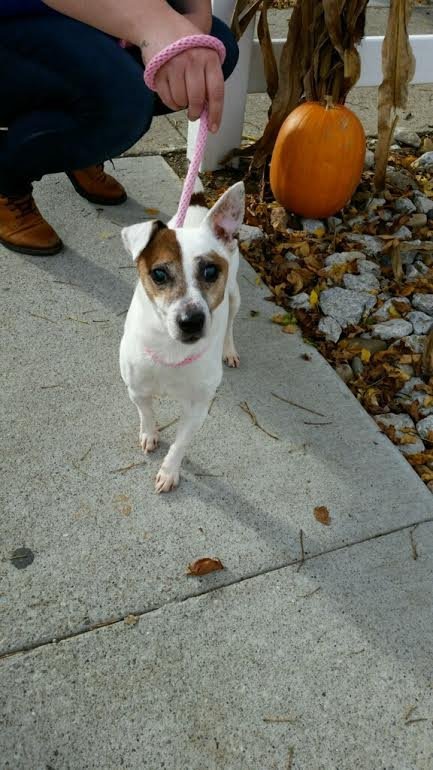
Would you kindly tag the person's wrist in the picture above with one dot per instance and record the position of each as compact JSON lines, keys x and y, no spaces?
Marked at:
{"x":152,"y":38}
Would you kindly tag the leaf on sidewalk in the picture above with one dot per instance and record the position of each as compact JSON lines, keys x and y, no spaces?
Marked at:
{"x":131,"y":620}
{"x":321,"y":514}
{"x":204,"y":566}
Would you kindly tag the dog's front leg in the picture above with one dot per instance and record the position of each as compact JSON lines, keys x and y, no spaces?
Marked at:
{"x":148,"y":428}
{"x":194,"y":415}
{"x":230,"y":355}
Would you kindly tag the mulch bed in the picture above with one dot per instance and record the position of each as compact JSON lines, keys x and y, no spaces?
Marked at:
{"x":392,"y":377}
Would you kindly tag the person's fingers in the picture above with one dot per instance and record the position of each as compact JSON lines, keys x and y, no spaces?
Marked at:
{"x":195,"y":82}
{"x":162,"y":87}
{"x":214,"y":91}
{"x":176,"y":79}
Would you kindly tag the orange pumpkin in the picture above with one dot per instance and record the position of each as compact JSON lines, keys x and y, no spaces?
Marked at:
{"x":318,"y":159}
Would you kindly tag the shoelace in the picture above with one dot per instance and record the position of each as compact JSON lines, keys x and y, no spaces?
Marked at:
{"x":24,"y":205}
{"x":100,"y":175}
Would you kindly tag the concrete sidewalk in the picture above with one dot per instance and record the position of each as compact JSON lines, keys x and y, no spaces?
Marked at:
{"x":267,"y":665}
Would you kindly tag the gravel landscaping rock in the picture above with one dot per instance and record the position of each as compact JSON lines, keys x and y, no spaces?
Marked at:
{"x":407,"y":138}
{"x":425,"y":427}
{"x":417,"y":220}
{"x":383,"y":313}
{"x":421,"y":267}
{"x":408,"y":388}
{"x":369,"y":243}
{"x":412,"y":273}
{"x":373,"y":345}
{"x":290,"y":256}
{"x":376,"y":203}
{"x":364,"y":282}
{"x":366,"y":266}
{"x":341,"y":257}
{"x":404,"y":206}
{"x":300,"y":302}
{"x":410,"y":393}
{"x":330,"y":328}
{"x":425,"y":161}
{"x":416,"y":342}
{"x":391,"y":330}
{"x":370,"y":302}
{"x":346,"y":306}
{"x":249,"y":233}
{"x":423,"y":204}
{"x":369,"y":160}
{"x":423,"y":302}
{"x":421,"y":322}
{"x":345,"y":372}
{"x":314,"y":226}
{"x":400,"y":180}
{"x":357,"y":365}
{"x":334,"y":223}
{"x":403,"y":233}
{"x":404,"y":426}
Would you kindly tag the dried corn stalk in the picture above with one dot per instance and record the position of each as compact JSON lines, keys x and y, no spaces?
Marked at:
{"x":244,"y":11}
{"x":398,"y":66}
{"x":318,"y":58}
{"x":269,"y":61}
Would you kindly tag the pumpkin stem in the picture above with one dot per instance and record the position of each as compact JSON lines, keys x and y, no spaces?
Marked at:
{"x":328,"y":102}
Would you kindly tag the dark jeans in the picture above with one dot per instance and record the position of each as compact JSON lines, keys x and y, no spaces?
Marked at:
{"x":71,"y":97}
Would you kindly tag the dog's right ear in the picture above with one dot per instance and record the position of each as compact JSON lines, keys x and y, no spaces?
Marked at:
{"x":136,"y":237}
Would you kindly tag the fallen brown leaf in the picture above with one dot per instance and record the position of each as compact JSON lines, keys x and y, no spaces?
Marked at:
{"x":130,"y":620}
{"x":204,"y":566}
{"x":321,"y":514}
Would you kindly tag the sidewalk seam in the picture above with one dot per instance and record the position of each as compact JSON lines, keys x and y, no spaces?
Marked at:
{"x":300,"y":562}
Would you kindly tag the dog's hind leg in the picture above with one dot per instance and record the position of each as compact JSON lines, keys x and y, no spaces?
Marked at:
{"x":148,"y":428}
{"x":194,"y":415}
{"x":230,"y":355}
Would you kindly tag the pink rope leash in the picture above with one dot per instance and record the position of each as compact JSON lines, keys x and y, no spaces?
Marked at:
{"x":161,"y":58}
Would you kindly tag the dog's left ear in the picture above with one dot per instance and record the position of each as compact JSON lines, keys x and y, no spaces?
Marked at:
{"x":226,"y":216}
{"x":136,"y":237}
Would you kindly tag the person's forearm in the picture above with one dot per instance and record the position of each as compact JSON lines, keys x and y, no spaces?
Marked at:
{"x":139,"y":21}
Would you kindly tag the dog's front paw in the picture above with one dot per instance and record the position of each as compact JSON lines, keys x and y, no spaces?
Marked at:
{"x":149,"y":441}
{"x":166,"y":481}
{"x":231,"y":358}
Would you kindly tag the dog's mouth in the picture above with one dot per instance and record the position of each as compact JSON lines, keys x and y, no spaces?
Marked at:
{"x":190,"y":339}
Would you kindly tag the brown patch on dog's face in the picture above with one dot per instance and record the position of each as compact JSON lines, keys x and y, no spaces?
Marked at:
{"x":211,"y":276}
{"x":160,"y":267}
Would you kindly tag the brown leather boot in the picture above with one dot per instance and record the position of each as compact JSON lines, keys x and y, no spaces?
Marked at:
{"x":97,"y":187}
{"x":23,"y":228}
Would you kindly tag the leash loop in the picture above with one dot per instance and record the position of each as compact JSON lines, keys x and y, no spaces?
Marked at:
{"x":152,"y":68}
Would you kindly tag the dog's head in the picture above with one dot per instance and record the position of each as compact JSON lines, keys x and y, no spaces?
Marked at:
{"x":184,"y":271}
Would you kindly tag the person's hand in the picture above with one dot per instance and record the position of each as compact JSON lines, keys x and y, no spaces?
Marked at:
{"x":191,"y":78}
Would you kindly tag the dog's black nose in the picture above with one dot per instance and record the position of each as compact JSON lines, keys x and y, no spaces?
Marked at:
{"x":192,"y":323}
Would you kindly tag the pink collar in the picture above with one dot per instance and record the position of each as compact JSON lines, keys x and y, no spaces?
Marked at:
{"x":157,"y":359}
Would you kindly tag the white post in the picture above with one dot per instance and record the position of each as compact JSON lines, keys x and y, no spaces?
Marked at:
{"x":230,"y":134}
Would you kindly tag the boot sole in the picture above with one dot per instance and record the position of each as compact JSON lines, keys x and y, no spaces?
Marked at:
{"x":49,"y":251}
{"x":95,"y":198}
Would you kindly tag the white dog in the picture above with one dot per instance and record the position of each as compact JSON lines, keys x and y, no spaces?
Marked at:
{"x":179,"y":326}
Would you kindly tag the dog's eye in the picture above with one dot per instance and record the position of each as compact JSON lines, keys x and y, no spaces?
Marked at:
{"x":159,"y":275}
{"x":210,"y":273}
